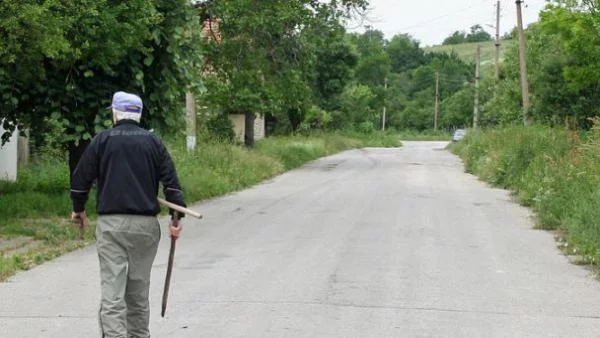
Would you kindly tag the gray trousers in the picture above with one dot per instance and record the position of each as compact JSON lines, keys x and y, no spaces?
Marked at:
{"x":127,"y":246}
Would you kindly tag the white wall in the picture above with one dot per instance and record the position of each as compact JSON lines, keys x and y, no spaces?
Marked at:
{"x":8,"y":157}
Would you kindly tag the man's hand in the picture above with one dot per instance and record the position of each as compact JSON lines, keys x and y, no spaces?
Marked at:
{"x":175,"y":228}
{"x":79,"y":217}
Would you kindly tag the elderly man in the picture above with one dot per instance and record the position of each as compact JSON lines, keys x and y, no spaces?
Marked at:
{"x":128,"y":163}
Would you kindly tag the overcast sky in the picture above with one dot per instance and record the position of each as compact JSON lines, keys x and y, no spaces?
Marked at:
{"x":431,"y":21}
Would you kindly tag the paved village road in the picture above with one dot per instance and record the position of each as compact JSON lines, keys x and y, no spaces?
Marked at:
{"x":366,"y":243}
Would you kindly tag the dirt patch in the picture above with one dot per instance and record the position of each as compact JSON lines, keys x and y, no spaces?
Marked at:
{"x":18,"y":245}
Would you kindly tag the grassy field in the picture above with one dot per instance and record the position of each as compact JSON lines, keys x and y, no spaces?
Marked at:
{"x":554,"y":171}
{"x":35,"y":209}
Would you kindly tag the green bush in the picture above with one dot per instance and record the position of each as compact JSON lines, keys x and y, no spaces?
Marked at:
{"x":220,"y":127}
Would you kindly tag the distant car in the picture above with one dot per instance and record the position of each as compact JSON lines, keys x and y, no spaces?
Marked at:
{"x":459,"y":134}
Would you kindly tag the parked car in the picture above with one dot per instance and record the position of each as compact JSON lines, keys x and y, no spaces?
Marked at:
{"x":459,"y":134}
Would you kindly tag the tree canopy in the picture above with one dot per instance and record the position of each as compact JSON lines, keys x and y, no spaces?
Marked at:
{"x":63,"y":60}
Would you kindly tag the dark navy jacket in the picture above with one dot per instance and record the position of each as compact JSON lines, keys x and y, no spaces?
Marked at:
{"x":128,"y":163}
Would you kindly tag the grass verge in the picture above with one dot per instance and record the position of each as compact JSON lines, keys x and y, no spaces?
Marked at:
{"x":554,"y":171}
{"x":36,"y":206}
{"x":428,"y":135}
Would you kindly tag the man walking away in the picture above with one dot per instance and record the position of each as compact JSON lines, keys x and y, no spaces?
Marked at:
{"x":128,"y":163}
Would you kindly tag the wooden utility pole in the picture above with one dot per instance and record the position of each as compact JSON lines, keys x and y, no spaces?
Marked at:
{"x":523,"y":63}
{"x":385,"y":85}
{"x":476,"y":104}
{"x":190,"y":113}
{"x":437,"y":99}
{"x":497,"y":44}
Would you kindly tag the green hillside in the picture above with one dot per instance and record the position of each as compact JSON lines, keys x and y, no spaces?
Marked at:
{"x":467,"y":51}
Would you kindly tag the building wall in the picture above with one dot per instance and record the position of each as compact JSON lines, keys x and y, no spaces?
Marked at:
{"x":238,"y":121}
{"x":8,"y":157}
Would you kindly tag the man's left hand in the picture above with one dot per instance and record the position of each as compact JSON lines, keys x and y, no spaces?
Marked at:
{"x":79,"y":217}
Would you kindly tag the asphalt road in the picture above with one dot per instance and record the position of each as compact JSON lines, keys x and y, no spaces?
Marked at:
{"x":367,"y":243}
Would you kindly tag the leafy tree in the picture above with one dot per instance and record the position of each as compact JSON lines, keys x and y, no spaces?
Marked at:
{"x":356,"y":101}
{"x":374,"y":63}
{"x":404,"y":53}
{"x":63,"y":60}
{"x":563,"y":69}
{"x":478,"y":34}
{"x":334,"y":69}
{"x":456,"y":111}
{"x":457,"y":38}
{"x":265,"y":60}
{"x":567,"y":41}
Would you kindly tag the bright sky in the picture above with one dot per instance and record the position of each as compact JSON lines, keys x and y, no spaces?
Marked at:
{"x":431,"y":21}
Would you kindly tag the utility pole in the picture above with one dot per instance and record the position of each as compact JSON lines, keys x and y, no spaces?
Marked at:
{"x":385,"y":85}
{"x":476,"y":105}
{"x":190,"y":113}
{"x":437,"y":99}
{"x":523,"y":63}
{"x":497,"y":44}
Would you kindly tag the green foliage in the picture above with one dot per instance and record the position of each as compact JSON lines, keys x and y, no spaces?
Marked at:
{"x":404,"y":53}
{"x":220,"y":127}
{"x":65,"y":59}
{"x":316,"y":118}
{"x":373,"y":62}
{"x":477,"y":34}
{"x":271,"y":57}
{"x":292,"y":151}
{"x":456,"y":111}
{"x":410,"y":96}
{"x":355,"y":104}
{"x":563,"y":70}
{"x":335,"y":61}
{"x":457,"y":38}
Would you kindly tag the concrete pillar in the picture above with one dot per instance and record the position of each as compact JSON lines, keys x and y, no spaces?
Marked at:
{"x":8,"y":157}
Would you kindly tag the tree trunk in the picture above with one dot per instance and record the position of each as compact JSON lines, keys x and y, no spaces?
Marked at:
{"x":296,"y":117}
{"x":75,"y":152}
{"x":249,"y":129}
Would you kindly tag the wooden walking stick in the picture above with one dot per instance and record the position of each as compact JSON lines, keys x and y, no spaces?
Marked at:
{"x":175,"y":220}
{"x":165,"y":296}
{"x":81,"y":228}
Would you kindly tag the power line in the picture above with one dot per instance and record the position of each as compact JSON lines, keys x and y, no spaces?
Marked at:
{"x":468,"y":9}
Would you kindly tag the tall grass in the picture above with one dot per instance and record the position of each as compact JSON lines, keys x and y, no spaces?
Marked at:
{"x":552,"y":170}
